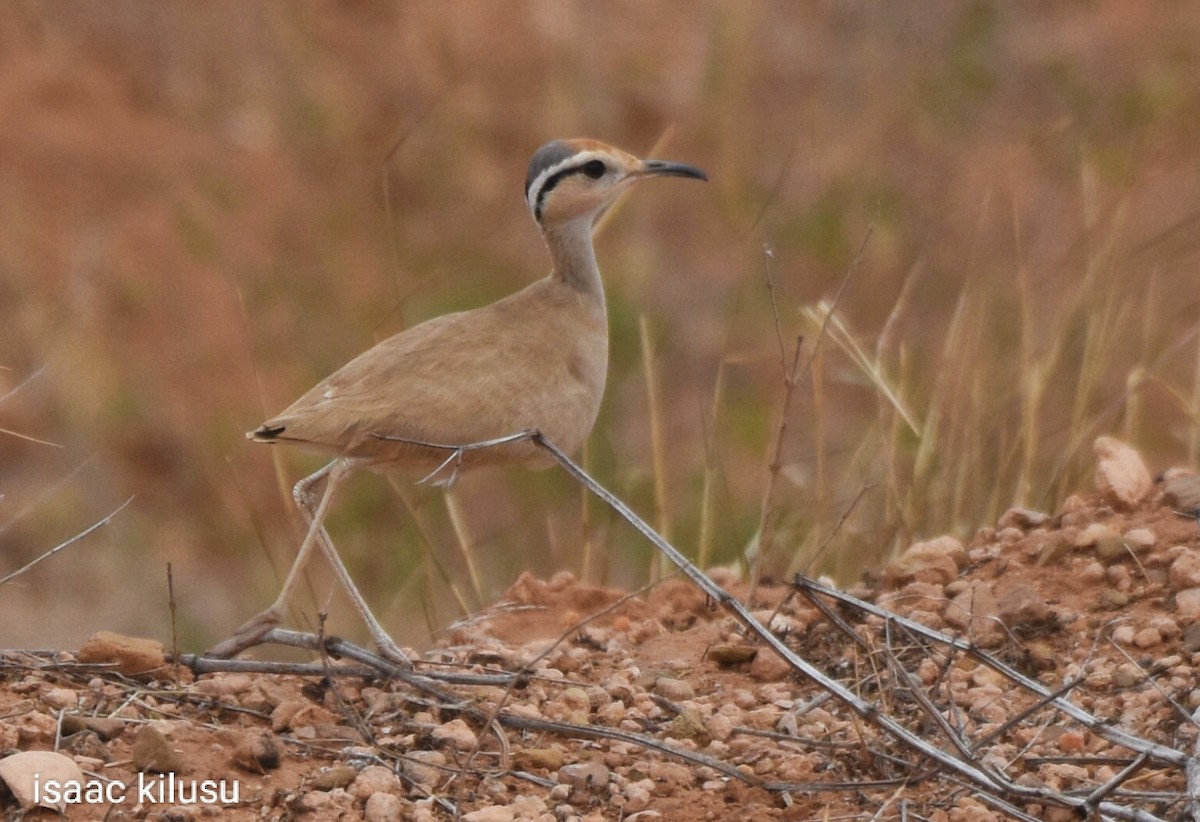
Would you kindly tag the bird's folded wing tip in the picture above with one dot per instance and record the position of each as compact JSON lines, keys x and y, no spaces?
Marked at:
{"x":265,"y":433}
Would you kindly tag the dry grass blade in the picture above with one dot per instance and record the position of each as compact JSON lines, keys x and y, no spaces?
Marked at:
{"x":824,"y":318}
{"x":658,"y":445}
{"x":28,"y":438}
{"x":466,"y":542}
{"x":96,"y":526}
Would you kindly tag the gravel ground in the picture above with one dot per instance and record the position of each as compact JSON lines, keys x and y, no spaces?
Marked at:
{"x":660,"y":706}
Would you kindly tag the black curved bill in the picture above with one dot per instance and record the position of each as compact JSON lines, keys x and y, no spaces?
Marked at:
{"x":667,"y":169}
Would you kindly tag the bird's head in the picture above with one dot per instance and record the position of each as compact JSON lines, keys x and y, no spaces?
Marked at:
{"x":572,"y":179}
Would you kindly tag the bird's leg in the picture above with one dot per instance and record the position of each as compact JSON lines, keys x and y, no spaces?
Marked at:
{"x":457,"y":452}
{"x":387,"y":646}
{"x":456,"y":458}
{"x":257,"y":627}
{"x":253,"y":630}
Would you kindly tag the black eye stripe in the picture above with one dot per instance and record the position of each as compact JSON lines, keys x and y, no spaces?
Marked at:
{"x":560,"y":175}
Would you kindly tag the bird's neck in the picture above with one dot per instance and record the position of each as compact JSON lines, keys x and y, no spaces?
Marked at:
{"x":574,"y":257}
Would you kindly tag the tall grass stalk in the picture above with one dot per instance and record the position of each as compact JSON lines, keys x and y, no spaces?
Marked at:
{"x":704,"y":542}
{"x":466,"y":542}
{"x":658,"y":446}
{"x":434,"y":566}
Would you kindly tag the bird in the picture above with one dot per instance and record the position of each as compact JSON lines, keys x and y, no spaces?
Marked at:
{"x":462,"y":387}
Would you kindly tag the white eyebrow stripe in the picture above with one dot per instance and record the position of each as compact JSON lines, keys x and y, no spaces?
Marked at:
{"x":535,"y":188}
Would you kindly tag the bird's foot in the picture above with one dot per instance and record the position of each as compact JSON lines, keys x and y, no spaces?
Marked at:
{"x":389,"y":650}
{"x":250,"y":634}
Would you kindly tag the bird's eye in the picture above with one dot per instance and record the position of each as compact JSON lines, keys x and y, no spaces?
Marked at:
{"x":594,"y":169}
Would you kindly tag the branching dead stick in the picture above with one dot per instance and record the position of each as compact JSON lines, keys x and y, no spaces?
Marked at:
{"x":1112,"y":733}
{"x":68,"y":543}
{"x":207,"y":665}
{"x":791,"y":377}
{"x":918,"y":693}
{"x":1094,"y":798}
{"x":1044,"y":700}
{"x":766,"y":522}
{"x":337,"y":648}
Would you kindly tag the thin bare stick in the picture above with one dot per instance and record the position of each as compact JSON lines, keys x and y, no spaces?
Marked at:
{"x":791,"y":378}
{"x":767,"y":255}
{"x":68,"y":543}
{"x":174,"y":624}
{"x":838,"y":525}
{"x":837,"y":297}
{"x":43,"y":495}
{"x":32,"y":376}
{"x":29,"y":438}
{"x":658,"y":446}
{"x":766,"y":520}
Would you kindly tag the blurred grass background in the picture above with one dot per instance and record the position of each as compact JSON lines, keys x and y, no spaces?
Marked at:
{"x":205,"y":208}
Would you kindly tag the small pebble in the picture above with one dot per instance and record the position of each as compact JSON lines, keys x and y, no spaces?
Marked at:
{"x":936,"y":561}
{"x":1182,"y":491}
{"x":382,"y":807}
{"x":675,"y":690}
{"x":339,"y":776}
{"x":1147,"y":638}
{"x":1123,"y":634}
{"x":374,"y":780}
{"x":1092,"y":534}
{"x":1121,"y":476}
{"x":457,"y":734}
{"x":257,"y":753}
{"x":63,"y":698}
{"x":1187,"y":603}
{"x":584,"y":776}
{"x":424,"y":767}
{"x":1185,"y":570}
{"x":152,"y":752}
{"x":534,"y":759}
{"x":492,"y":813}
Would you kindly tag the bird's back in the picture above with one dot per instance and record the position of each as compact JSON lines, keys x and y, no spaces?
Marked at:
{"x":534,"y":360}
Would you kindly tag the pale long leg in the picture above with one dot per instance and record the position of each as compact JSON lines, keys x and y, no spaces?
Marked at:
{"x":252,"y":632}
{"x":316,"y":523}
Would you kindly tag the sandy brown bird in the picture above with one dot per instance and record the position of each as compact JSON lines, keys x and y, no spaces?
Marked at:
{"x":535,"y":360}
